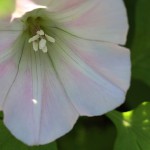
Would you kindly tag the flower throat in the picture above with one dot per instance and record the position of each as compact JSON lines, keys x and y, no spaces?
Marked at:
{"x":38,"y":37}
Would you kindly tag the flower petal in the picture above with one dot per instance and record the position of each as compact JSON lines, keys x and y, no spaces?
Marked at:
{"x":36,"y":109}
{"x":9,"y":32}
{"x":57,"y":5}
{"x":24,"y":6}
{"x":9,"y":59}
{"x":102,"y":20}
{"x":95,"y":75}
{"x":8,"y":71}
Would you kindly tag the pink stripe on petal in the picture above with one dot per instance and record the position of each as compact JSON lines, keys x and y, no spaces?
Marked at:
{"x":95,"y":75}
{"x":8,"y":70}
{"x":102,"y":20}
{"x":7,"y":39}
{"x":58,"y":113}
{"x":108,"y":60}
{"x":37,"y":110}
{"x":57,"y":5}
{"x":18,"y":109}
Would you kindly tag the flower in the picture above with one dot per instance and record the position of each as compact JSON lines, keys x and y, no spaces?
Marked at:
{"x":60,"y":60}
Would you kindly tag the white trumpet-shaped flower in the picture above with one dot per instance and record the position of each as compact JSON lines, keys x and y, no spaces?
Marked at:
{"x":60,"y":60}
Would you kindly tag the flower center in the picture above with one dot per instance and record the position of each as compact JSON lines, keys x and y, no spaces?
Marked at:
{"x":39,"y":41}
{"x":39,"y":28}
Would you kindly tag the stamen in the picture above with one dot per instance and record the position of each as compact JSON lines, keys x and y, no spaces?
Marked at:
{"x":42,"y":44}
{"x":49,"y":38}
{"x":35,"y":45}
{"x":44,"y":49}
{"x":41,"y":32}
{"x":34,"y":38}
{"x":39,"y":41}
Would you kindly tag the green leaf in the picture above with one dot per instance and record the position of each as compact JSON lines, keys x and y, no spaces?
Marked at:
{"x":9,"y":142}
{"x":138,"y":91}
{"x":139,"y":38}
{"x":133,"y":128}
{"x":6,"y":7}
{"x":95,"y":133}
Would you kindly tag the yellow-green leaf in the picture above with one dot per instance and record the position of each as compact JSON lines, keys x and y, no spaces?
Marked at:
{"x":133,"y":128}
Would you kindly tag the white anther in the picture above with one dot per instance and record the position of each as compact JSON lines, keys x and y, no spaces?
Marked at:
{"x":34,"y":38}
{"x":35,"y":45}
{"x":49,"y":38}
{"x":42,"y":44}
{"x":41,"y":32}
{"x":44,"y":49}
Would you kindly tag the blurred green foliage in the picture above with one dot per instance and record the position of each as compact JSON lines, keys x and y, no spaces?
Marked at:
{"x":96,"y":133}
{"x":6,"y":7}
{"x":133,"y":128}
{"x":140,"y":45}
